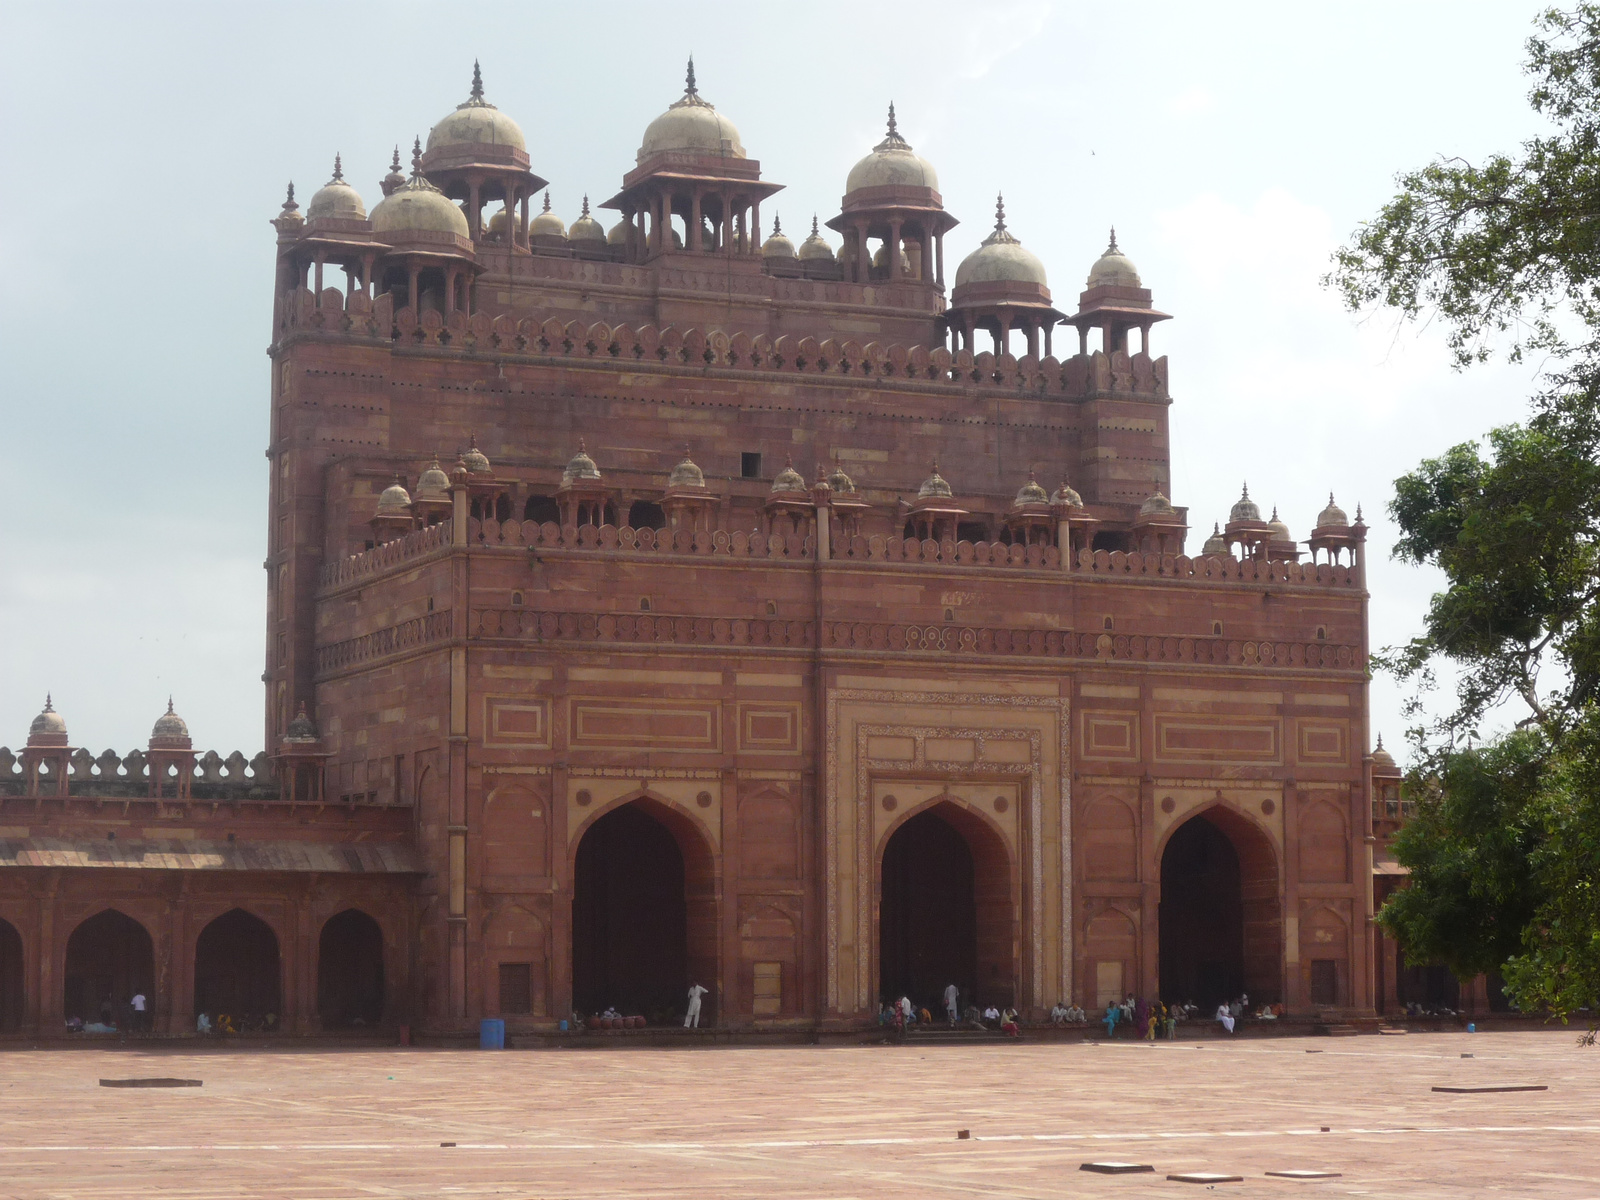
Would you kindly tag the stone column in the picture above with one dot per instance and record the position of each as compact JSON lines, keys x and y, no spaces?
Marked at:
{"x":474,"y":210}
{"x":696,"y":241}
{"x":892,"y":255}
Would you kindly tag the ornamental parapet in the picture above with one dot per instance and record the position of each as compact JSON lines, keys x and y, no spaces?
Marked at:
{"x":884,"y":637}
{"x":391,"y":554}
{"x":112,"y":776}
{"x":1080,"y":377}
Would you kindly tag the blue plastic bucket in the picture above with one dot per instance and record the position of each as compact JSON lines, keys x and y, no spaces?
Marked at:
{"x":491,"y":1034}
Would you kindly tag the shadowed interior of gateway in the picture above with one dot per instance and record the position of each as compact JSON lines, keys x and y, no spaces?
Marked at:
{"x":109,"y":956}
{"x":350,"y":986}
{"x":236,"y":967}
{"x":629,"y":917}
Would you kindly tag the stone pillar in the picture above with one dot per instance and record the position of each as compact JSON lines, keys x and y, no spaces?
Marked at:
{"x":1149,"y":934}
{"x":474,"y":210}
{"x":892,"y":255}
{"x":696,"y":218}
{"x":1294,"y":994}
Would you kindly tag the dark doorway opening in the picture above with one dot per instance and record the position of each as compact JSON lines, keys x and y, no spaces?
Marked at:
{"x":109,"y":958}
{"x":1220,"y":932}
{"x":945,"y":913}
{"x":644,"y":514}
{"x":1431,"y":985}
{"x":350,"y":971}
{"x":643,"y":915}
{"x":10,"y":978}
{"x":236,"y":969}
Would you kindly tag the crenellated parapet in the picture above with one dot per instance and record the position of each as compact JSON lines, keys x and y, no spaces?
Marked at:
{"x":1083,"y":376}
{"x":130,"y":775}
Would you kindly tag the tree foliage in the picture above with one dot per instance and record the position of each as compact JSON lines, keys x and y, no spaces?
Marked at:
{"x":1505,"y":851}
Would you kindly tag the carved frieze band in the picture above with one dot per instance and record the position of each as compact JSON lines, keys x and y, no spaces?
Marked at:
{"x":381,"y":643}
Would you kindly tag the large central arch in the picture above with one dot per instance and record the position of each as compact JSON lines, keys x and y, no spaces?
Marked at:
{"x":946,"y":910}
{"x":1220,"y":923}
{"x":644,"y":913}
{"x":236,"y":967}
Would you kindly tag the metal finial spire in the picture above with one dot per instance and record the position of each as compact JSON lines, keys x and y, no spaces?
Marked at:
{"x":169,"y":706}
{"x":289,"y":205}
{"x":1111,"y":247}
{"x":547,"y":199}
{"x":585,"y":212}
{"x":777,"y":225}
{"x":338,"y":167}
{"x":395,"y":164}
{"x":689,"y":88}
{"x":892,"y":128}
{"x":416,"y":156}
{"x":999,"y":210}
{"x":814,"y":232}
{"x":1246,"y":494}
{"x":47,"y":705}
{"x":477,"y":81}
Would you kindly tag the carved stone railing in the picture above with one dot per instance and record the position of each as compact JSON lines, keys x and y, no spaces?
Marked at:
{"x":390,"y":554}
{"x":1077,"y":377}
{"x":876,"y":549}
{"x":383,"y":643}
{"x":109,"y":774}
{"x":886,"y":637}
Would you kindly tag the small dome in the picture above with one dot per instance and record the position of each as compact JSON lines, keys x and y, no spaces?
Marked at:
{"x":1157,"y":506}
{"x":777,"y":246}
{"x":170,"y":725}
{"x":581,"y":467}
{"x":1280,"y":531}
{"x":1245,"y":509}
{"x":1065,"y":495}
{"x":497,"y":222}
{"x":619,"y":234}
{"x":477,"y":462}
{"x":586,"y":228}
{"x":1001,"y":258}
{"x":838,"y":481}
{"x":1216,"y":543}
{"x":302,"y":728}
{"x":1332,"y":515}
{"x":336,"y":199}
{"x":1381,"y":757}
{"x":433,"y":485}
{"x":691,"y":124}
{"x":418,"y":206}
{"x":49,"y":723}
{"x":547,"y":224}
{"x":789,"y":480}
{"x":686,"y":474}
{"x":395,"y":500}
{"x":1113,"y":268}
{"x":1032,"y":493}
{"x":476,"y":121}
{"x":892,"y":164}
{"x":934,"y":485}
{"x":881,"y":259}
{"x":815,"y":248}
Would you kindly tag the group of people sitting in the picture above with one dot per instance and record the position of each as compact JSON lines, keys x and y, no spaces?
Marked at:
{"x":1068,"y":1014}
{"x":1149,"y":1021}
{"x":227,"y":1023}
{"x":901,"y":1015}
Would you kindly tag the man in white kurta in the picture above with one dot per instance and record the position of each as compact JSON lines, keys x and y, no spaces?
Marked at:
{"x":691,"y":1019}
{"x":951,"y":995}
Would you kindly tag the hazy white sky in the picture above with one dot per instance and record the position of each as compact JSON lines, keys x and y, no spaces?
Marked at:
{"x":1233,"y":145}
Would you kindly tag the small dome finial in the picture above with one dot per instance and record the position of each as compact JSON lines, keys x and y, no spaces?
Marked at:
{"x":1111,"y":247}
{"x":394,"y":165}
{"x":777,"y":225}
{"x":585,"y":205}
{"x":48,"y":707}
{"x":547,"y":200}
{"x":814,"y":232}
{"x":169,"y":705}
{"x":289,"y":205}
{"x":416,"y":157}
{"x":338,"y":167}
{"x":999,"y":211}
{"x":689,"y":88}
{"x":1245,"y":495}
{"x":893,"y":128}
{"x":477,"y":81}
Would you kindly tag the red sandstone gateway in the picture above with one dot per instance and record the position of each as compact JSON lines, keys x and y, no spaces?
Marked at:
{"x":661,"y":605}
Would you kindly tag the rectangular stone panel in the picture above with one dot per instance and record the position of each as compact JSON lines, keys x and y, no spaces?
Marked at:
{"x":1322,"y":740}
{"x":1201,"y":739}
{"x":1110,"y":736}
{"x":516,"y":721}
{"x":769,"y":728}
{"x":645,"y":724}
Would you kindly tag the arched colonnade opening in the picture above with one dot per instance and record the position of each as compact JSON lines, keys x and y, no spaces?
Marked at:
{"x":1221,"y":928}
{"x":238,"y":970}
{"x":644,"y":913}
{"x":946,"y":910}
{"x":110,"y":959}
{"x":350,"y":983}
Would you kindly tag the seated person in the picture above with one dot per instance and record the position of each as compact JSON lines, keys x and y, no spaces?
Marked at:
{"x":1058,"y":1014}
{"x":973,"y":1017}
{"x":1077,"y":1016}
{"x":1008,"y":1023}
{"x":1225,"y":1017}
{"x":202,"y":1025}
{"x":992,"y":1015}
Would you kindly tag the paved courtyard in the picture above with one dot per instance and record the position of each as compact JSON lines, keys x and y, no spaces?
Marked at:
{"x":808,"y":1121}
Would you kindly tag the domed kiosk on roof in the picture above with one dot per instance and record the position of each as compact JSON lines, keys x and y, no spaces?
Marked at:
{"x":547,"y":228}
{"x":815,"y":248}
{"x":336,"y":200}
{"x":778,"y":245}
{"x":170,"y":730}
{"x":1114,"y":302}
{"x":892,"y":196}
{"x":49,"y":728}
{"x":416,"y":209}
{"x":477,"y":154}
{"x":691,"y":125}
{"x":586,"y":229}
{"x":999,"y":287}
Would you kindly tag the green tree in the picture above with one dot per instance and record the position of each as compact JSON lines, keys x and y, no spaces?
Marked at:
{"x":1505,"y":851}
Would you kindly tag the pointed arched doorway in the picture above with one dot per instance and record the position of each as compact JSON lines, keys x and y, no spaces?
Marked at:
{"x":110,"y":959}
{"x":236,"y":967}
{"x":1220,"y":925}
{"x":350,"y":971}
{"x":946,"y":910}
{"x":644,"y":914}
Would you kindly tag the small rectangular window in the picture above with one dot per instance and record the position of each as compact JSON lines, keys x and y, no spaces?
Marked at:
{"x":750,"y":466}
{"x":516,"y":988}
{"x":1325,"y":982}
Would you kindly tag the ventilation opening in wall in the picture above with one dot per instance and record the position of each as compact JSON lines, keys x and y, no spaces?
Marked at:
{"x":430,"y":603}
{"x":644,"y":603}
{"x":1322,"y":633}
{"x":1216,"y":629}
{"x":1110,"y":624}
{"x":750,"y":466}
{"x":949,"y":614}
{"x":516,"y":599}
{"x":772,"y":608}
